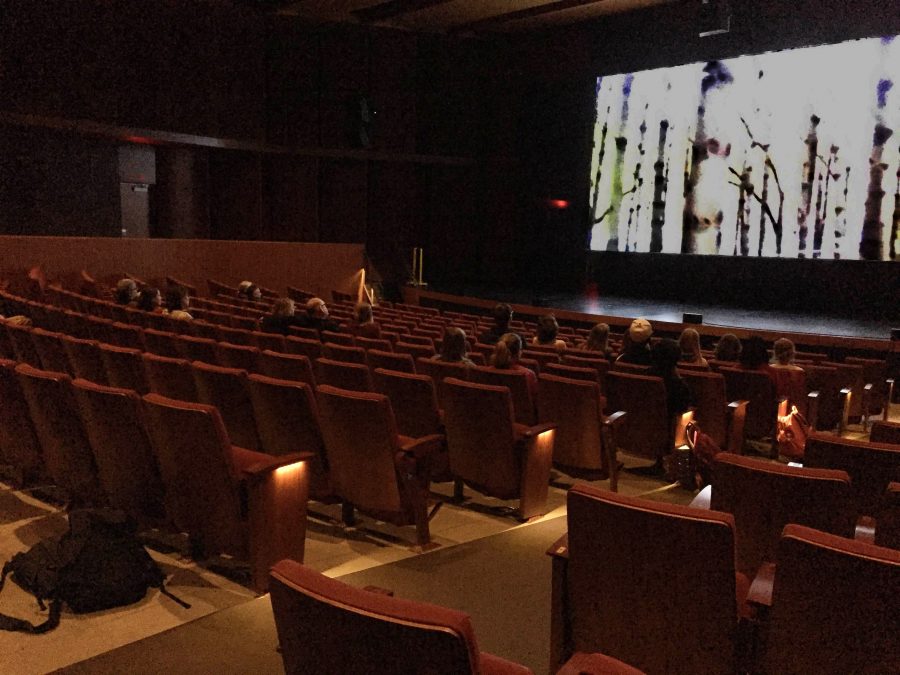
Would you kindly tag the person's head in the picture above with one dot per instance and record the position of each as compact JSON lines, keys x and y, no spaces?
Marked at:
{"x":249,"y":290}
{"x":784,"y":351}
{"x":754,"y":353}
{"x":598,"y":338}
{"x":364,"y":313}
{"x":639,"y":332}
{"x":149,"y":299}
{"x":126,"y":291}
{"x":283,"y":307}
{"x":177,"y":298}
{"x":454,"y":347}
{"x":502,"y":315}
{"x":664,"y":356}
{"x":689,"y":341}
{"x":506,"y":351}
{"x":547,"y":329}
{"x":728,"y":348}
{"x":316,"y":308}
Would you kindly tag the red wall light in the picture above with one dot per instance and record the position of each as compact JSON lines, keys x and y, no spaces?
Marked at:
{"x":558,"y":204}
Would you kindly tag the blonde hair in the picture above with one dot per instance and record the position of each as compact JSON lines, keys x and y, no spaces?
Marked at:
{"x":283,"y":307}
{"x":506,"y":351}
{"x":598,"y":339}
{"x":454,"y":347}
{"x":784,"y":351}
{"x":689,"y":343}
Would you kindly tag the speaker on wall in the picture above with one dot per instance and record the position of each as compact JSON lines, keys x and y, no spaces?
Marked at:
{"x":895,"y":334}
{"x":688,"y":317}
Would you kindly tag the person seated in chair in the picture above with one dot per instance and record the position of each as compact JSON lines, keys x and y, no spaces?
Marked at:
{"x":790,"y":379}
{"x":364,"y":322}
{"x":506,"y":357}
{"x":316,"y":317}
{"x":547,"y":331}
{"x":502,"y":316}
{"x":177,"y":302}
{"x":126,"y":292}
{"x":664,"y":358}
{"x":281,"y":319}
{"x":728,"y":348}
{"x":636,"y":347}
{"x":689,"y":342}
{"x":150,"y":300}
{"x":454,"y":348}
{"x":247,"y":290}
{"x":598,"y":341}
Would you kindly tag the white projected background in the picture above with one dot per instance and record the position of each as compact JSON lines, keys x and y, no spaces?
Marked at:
{"x":732,"y":173}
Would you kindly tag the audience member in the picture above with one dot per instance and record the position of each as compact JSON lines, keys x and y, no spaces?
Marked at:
{"x":364,"y":322}
{"x":506,"y":357}
{"x":502,"y":316}
{"x":689,"y":343}
{"x":754,"y":355}
{"x":790,"y":379}
{"x":454,"y":348}
{"x":150,"y":300}
{"x":249,"y":291}
{"x":598,"y":340}
{"x":126,"y":292}
{"x":177,"y":302}
{"x":547,"y":331}
{"x":281,"y":319}
{"x":728,"y":348}
{"x":663,"y":363}
{"x":317,"y":317}
{"x":636,"y":346}
{"x":784,"y":355}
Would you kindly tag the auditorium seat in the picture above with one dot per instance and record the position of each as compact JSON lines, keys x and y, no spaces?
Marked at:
{"x":305,"y":333}
{"x":585,"y":443}
{"x":172,"y":378}
{"x":353,"y":630}
{"x":723,"y":420}
{"x":271,"y":341}
{"x":217,"y":288}
{"x":242,"y":357}
{"x":596,"y":664}
{"x":205,"y":330}
{"x":524,"y":407}
{"x":286,"y":367}
{"x":372,"y":468}
{"x":160,"y":342}
{"x":835,"y":607}
{"x":647,"y":432}
{"x":234,"y":336}
{"x":578,"y":360}
{"x":492,"y":453}
{"x":574,"y":373}
{"x":353,"y":376}
{"x":342,"y":339}
{"x":871,"y":466}
{"x":85,"y":359}
{"x":758,"y":389}
{"x":413,"y":349}
{"x":887,"y":530}
{"x":311,"y":349}
{"x":879,"y":387}
{"x":383,"y":345}
{"x":825,"y":380}
{"x":100,"y":329}
{"x":441,"y":370}
{"x":376,"y":358}
{"x":124,"y":368}
{"x":126,"y":335}
{"x":226,"y":498}
{"x":64,"y":447}
{"x":633,"y":368}
{"x":649,"y":583}
{"x":765,"y":496}
{"x":344,"y":353}
{"x":850,"y":376}
{"x":49,"y":348}
{"x":23,"y":345}
{"x":126,"y":466}
{"x":226,"y":389}
{"x":196,"y":349}
{"x":287,"y":419}
{"x":885,"y":432}
{"x":20,"y":448}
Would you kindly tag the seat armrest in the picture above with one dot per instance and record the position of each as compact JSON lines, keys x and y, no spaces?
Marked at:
{"x":844,"y":395}
{"x":422,"y":446}
{"x":761,"y":589}
{"x":495,"y":665}
{"x":535,"y":430}
{"x":736,"y":418}
{"x":257,"y":467}
{"x":616,"y":419}
{"x":703,"y":499}
{"x":812,"y":409}
{"x":560,"y":548}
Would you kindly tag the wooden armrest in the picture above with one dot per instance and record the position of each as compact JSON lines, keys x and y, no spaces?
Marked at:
{"x":560,"y":548}
{"x":422,"y":446}
{"x":536,"y":430}
{"x":703,"y":499}
{"x":616,"y":419}
{"x":378,"y":589}
{"x":259,"y":469}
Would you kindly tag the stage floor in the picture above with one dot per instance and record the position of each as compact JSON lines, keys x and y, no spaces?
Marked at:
{"x":713,"y":315}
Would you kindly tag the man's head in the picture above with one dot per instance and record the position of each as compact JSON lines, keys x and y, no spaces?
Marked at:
{"x":640,"y":331}
{"x":502,"y":314}
{"x":283,"y":307}
{"x":315,"y":307}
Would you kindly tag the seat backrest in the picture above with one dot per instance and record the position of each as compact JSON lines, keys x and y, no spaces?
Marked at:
{"x":651,"y":584}
{"x":194,"y":455}
{"x":413,"y":349}
{"x":235,"y":336}
{"x":790,"y":384}
{"x":161,"y":342}
{"x":403,"y":363}
{"x":480,"y":436}
{"x":324,"y":621}
{"x":126,"y":335}
{"x":647,"y":430}
{"x":361,"y":440}
{"x":353,"y":376}
{"x":440,"y":371}
{"x":237,"y":356}
{"x":124,"y":368}
{"x":85,"y":359}
{"x":825,"y":380}
{"x":19,"y":445}
{"x":710,"y":403}
{"x":50,"y":349}
{"x":573,"y":372}
{"x":871,"y":466}
{"x":294,"y":367}
{"x":287,"y":416}
{"x":126,"y":465}
{"x":756,"y":387}
{"x":517,"y":383}
{"x":172,"y":378}
{"x":344,"y":353}
{"x":764,"y":496}
{"x":196,"y":348}
{"x":226,"y":389}
{"x":575,"y":407}
{"x":65,"y":448}
{"x":887,"y":527}
{"x":271,"y":341}
{"x":383,"y":345}
{"x":413,"y":399}
{"x":851,"y":376}
{"x":311,"y":349}
{"x":835,"y":606}
{"x":342,"y":339}
{"x":23,"y":345}
{"x":885,"y":432}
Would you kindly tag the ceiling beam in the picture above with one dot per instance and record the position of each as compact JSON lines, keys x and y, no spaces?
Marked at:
{"x":394,"y":8}
{"x":527,"y":13}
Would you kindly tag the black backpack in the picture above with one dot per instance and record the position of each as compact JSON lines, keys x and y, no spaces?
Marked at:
{"x":98,"y":564}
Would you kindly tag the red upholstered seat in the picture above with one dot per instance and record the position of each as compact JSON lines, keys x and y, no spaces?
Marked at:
{"x":160,"y":342}
{"x":23,"y":345}
{"x":85,"y":359}
{"x":878,"y":395}
{"x":826,"y":381}
{"x":126,"y":335}
{"x":353,"y":376}
{"x":324,"y":621}
{"x":574,"y":373}
{"x":596,"y":664}
{"x":871,"y":466}
{"x":270,"y":341}
{"x":835,"y":606}
{"x":65,"y":449}
{"x":647,"y":431}
{"x":344,"y":353}
{"x":197,"y":349}
{"x":377,"y":358}
{"x":50,"y":349}
{"x":294,"y":367}
{"x":524,"y":407}
{"x":413,"y":349}
{"x":885,"y":432}
{"x":887,"y":528}
{"x":490,"y":452}
{"x":341,"y":339}
{"x":764,"y":496}
{"x":372,"y":469}
{"x":124,"y":368}
{"x":242,"y":357}
{"x":19,"y":445}
{"x":585,"y":443}
{"x":440,"y":371}
{"x":114,"y":424}
{"x":226,"y":389}
{"x":235,"y":336}
{"x":723,"y":420}
{"x":172,"y":378}
{"x":310,"y":348}
{"x":758,"y":389}
{"x":228,"y":499}
{"x":649,"y":583}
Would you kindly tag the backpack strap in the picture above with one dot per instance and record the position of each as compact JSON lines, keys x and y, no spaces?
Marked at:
{"x":11,"y":623}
